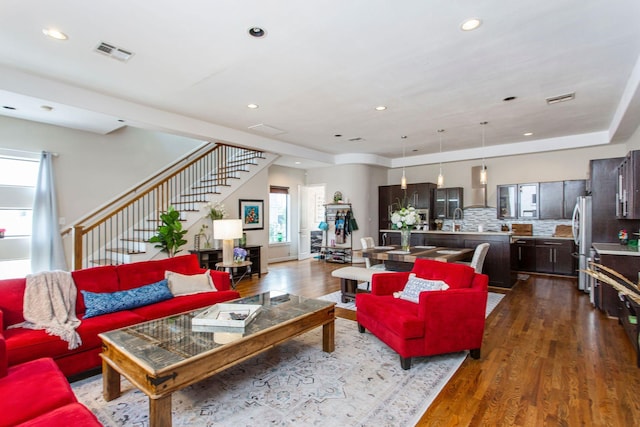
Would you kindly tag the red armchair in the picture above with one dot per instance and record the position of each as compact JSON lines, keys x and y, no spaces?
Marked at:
{"x":443,"y":321}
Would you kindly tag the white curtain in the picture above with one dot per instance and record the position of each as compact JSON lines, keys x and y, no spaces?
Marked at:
{"x":47,"y":252}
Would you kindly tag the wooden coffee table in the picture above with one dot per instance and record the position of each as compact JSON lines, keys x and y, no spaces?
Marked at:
{"x":165,"y":355}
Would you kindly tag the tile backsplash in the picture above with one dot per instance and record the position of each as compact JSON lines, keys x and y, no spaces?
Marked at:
{"x":486,"y":217}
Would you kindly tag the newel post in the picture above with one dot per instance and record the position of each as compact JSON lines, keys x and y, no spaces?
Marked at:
{"x":77,"y":247}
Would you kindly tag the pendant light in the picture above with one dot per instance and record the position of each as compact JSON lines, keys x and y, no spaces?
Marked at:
{"x":440,"y":176}
{"x":483,"y":171}
{"x":403,"y":181}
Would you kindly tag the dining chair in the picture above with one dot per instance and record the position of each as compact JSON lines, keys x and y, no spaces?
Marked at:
{"x":478,"y":257}
{"x":368,"y":243}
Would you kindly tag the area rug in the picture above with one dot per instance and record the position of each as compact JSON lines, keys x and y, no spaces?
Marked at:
{"x":360,"y":384}
{"x":492,"y":301}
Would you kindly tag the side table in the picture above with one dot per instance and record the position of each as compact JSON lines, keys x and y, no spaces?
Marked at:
{"x":229,"y":269}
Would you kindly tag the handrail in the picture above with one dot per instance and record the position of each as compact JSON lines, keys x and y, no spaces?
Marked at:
{"x":120,"y":228}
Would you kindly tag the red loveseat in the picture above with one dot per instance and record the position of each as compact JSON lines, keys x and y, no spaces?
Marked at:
{"x":24,"y":345}
{"x":443,"y":321}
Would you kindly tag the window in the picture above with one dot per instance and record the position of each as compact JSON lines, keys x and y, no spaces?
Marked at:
{"x":278,"y":214}
{"x":18,"y":177}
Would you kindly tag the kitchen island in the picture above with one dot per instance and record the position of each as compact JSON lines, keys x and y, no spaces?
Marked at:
{"x":497,"y":264}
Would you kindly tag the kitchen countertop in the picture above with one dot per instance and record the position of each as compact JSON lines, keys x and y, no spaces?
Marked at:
{"x":615,"y":249}
{"x":485,"y":233}
{"x":542,"y":237}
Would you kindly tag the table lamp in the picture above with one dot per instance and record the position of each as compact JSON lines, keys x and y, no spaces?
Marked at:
{"x":227,"y":230}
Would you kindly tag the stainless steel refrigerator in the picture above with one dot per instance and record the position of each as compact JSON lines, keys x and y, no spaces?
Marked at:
{"x":581,"y":225}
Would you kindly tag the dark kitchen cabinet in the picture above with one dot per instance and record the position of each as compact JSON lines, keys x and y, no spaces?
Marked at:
{"x":551,"y":200}
{"x":555,"y":257}
{"x":628,"y":191}
{"x":523,"y":255}
{"x":420,"y":196}
{"x":572,"y":190}
{"x":507,"y":201}
{"x":447,"y":200}
{"x":518,"y":201}
{"x":603,"y":182}
{"x":558,"y":198}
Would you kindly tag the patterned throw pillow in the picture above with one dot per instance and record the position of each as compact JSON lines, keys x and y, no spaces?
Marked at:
{"x":183,"y":284}
{"x":110,"y":302}
{"x":415,"y":285}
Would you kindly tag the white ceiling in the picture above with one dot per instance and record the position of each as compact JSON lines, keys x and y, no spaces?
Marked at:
{"x":324,"y":66}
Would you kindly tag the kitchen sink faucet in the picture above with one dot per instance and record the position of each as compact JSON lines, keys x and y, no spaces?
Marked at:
{"x":456,"y":226}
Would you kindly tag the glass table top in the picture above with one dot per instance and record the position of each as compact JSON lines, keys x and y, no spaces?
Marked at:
{"x":163,"y":342}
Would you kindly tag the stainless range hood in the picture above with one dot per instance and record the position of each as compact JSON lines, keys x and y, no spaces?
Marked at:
{"x":478,"y":190}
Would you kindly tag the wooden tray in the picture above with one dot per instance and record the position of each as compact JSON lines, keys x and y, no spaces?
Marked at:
{"x":563,"y":231}
{"x":522,"y":229}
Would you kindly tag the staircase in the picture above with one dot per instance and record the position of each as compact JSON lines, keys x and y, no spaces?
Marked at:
{"x":119,"y":233}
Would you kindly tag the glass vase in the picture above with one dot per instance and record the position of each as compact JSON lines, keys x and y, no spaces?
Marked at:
{"x":405,"y":239}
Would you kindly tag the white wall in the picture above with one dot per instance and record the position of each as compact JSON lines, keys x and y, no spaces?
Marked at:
{"x":359,"y":186}
{"x":292,"y":178}
{"x":91,"y":168}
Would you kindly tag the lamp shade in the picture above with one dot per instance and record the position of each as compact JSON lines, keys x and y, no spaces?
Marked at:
{"x":227,"y":229}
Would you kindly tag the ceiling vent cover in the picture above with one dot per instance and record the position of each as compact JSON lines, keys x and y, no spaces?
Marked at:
{"x":113,"y":52}
{"x":356,"y":139}
{"x":561,"y":98}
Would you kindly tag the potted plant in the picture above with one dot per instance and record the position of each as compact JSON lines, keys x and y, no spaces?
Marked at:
{"x":170,"y":235}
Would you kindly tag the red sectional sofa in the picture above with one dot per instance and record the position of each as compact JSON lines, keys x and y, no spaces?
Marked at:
{"x":441,"y":321}
{"x":36,"y":393}
{"x":23,"y":345}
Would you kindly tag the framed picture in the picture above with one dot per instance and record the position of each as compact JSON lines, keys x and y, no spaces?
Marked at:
{"x":252,"y":214}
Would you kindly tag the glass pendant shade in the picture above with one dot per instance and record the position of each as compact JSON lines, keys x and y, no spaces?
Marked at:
{"x":440,"y":182}
{"x":403,"y":182}
{"x":483,"y":171}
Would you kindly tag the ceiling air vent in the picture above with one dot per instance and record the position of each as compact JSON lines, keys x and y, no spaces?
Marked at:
{"x":561,"y":98}
{"x":356,"y":139}
{"x":113,"y":52}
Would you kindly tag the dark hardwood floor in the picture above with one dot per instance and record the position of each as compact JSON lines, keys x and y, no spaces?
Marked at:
{"x":548,"y":357}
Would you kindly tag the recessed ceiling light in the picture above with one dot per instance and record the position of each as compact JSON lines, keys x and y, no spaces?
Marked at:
{"x":257,"y":32}
{"x":470,"y":24}
{"x":527,"y":133}
{"x":54,"y":34}
{"x":338,"y":135}
{"x":298,"y":163}
{"x":509,"y":98}
{"x":46,"y":108}
{"x":8,"y":107}
{"x":381,"y":108}
{"x":253,"y":106}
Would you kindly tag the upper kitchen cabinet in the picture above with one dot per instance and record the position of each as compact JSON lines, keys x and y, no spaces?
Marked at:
{"x":627,"y":197}
{"x":447,"y":200}
{"x":507,"y":201}
{"x":551,"y":200}
{"x":518,"y":201}
{"x":572,"y":190}
{"x":528,"y":201}
{"x":420,"y":195}
{"x":558,"y":198}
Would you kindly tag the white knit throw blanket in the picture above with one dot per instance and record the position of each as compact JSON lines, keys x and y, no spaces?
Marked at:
{"x":50,"y":304}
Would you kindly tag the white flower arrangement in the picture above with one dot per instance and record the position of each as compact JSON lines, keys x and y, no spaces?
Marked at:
{"x":405,"y":218}
{"x":215,"y":210}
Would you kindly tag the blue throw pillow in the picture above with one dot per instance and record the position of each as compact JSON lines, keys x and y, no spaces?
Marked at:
{"x":109,"y":302}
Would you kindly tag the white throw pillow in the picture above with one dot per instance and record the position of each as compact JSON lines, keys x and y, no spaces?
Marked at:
{"x":183,"y":284}
{"x":415,"y":285}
